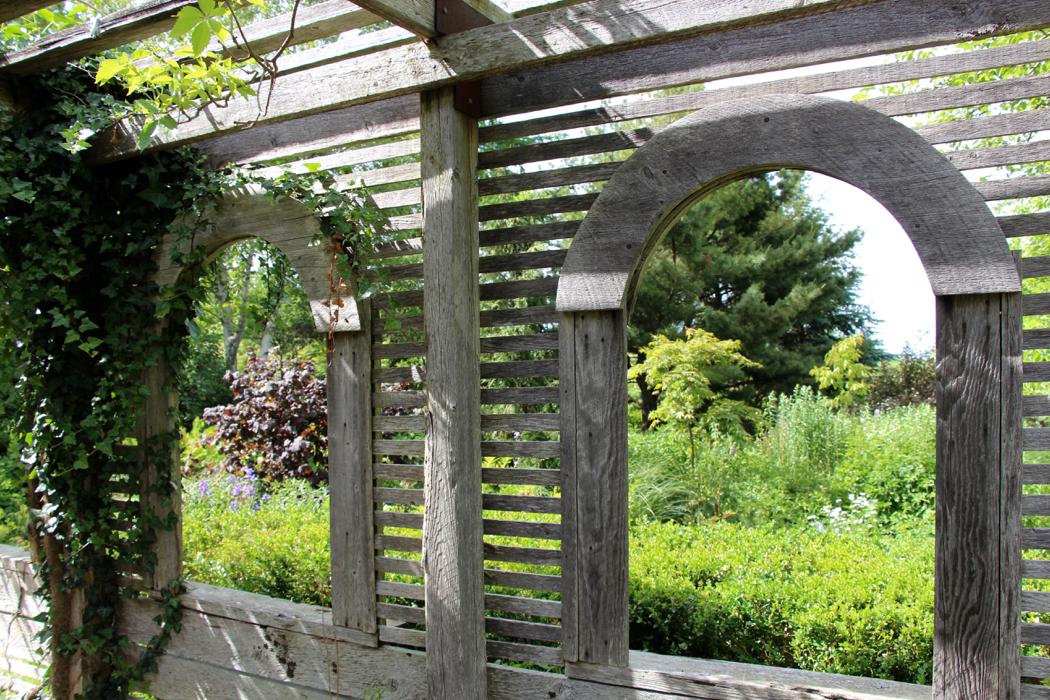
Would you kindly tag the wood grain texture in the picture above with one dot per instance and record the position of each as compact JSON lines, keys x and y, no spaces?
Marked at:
{"x":1035,"y":667}
{"x":528,"y":582}
{"x":521,"y":504}
{"x":452,"y":531}
{"x":13,"y":9}
{"x":520,"y":421}
{"x":529,"y":233}
{"x":520,"y":448}
{"x":530,"y":653}
{"x":520,"y":395}
{"x":418,"y":16}
{"x":528,"y":530}
{"x":287,"y":225}
{"x":1036,"y":339}
{"x":1035,"y":601}
{"x":1014,"y":188}
{"x":967,"y":625}
{"x":547,"y":178}
{"x":1036,"y":473}
{"x":525,"y":477}
{"x":536,"y":207}
{"x":126,"y":26}
{"x":1035,"y":568}
{"x":848,"y":33}
{"x":523,"y":630}
{"x":561,"y":35}
{"x":1010,"y":503}
{"x":1025,"y":224}
{"x":997,"y":156}
{"x":520,"y":343}
{"x":521,"y":555}
{"x":594,"y":488}
{"x":350,"y":479}
{"x":1035,"y":267}
{"x":955,"y":235}
{"x":986,"y":127}
{"x":1036,"y":371}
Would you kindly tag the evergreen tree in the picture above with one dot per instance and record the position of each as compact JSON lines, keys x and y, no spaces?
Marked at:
{"x":754,"y":262}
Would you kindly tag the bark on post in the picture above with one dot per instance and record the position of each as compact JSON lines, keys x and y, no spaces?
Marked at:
{"x":452,"y":527}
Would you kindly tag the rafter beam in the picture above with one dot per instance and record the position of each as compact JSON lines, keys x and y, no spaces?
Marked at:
{"x":559,"y":36}
{"x":423,"y":17}
{"x":13,"y":9}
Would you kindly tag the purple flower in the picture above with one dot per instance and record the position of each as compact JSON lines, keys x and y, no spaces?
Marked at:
{"x":233,"y":504}
{"x":203,"y":490}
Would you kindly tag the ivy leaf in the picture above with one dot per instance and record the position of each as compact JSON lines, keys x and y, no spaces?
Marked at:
{"x":146,"y":134}
{"x":188,"y":18}
{"x":90,"y":344}
{"x":107,"y":70}
{"x":200,"y":38}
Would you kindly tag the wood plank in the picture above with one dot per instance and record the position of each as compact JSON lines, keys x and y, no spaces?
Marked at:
{"x":1036,"y":405}
{"x":1036,"y":371}
{"x":412,"y":591}
{"x":520,"y":395}
{"x":13,"y":9}
{"x":531,"y":653}
{"x":522,"y":261}
{"x":560,"y":177}
{"x":522,"y":555}
{"x":402,"y":637}
{"x":401,"y":613}
{"x":1035,"y":633}
{"x":522,"y":43}
{"x":1035,"y":568}
{"x":536,"y":342}
{"x":521,"y":448}
{"x":126,"y":26}
{"x":1035,"y":267}
{"x":396,"y":249}
{"x":523,"y":316}
{"x":537,"y":607}
{"x":489,"y":370}
{"x":1035,"y":667}
{"x":1010,"y":494}
{"x":1035,"y":601}
{"x":967,"y":621}
{"x":1035,"y":538}
{"x":525,"y":477}
{"x":393,"y":565}
{"x":415,"y":373}
{"x":523,"y":630}
{"x":408,"y":521}
{"x":1036,"y":473}
{"x":529,"y":530}
{"x":399,"y":399}
{"x":848,"y":33}
{"x":987,"y":127}
{"x":395,"y":199}
{"x":521,"y":504}
{"x":595,"y":479}
{"x":998,"y":156}
{"x":1036,"y":438}
{"x":398,"y":351}
{"x":1025,"y":224}
{"x":1036,"y":338}
{"x":420,"y":16}
{"x":397,"y":424}
{"x":528,"y":582}
{"x":520,"y":422}
{"x":396,"y":543}
{"x":520,"y":289}
{"x":1014,"y":188}
{"x":350,"y":478}
{"x":566,"y":148}
{"x":312,"y":22}
{"x":529,"y":233}
{"x":398,"y":472}
{"x":1034,"y":692}
{"x":406,"y":497}
{"x":452,"y":532}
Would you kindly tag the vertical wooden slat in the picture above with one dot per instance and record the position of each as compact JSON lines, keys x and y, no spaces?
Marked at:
{"x":594,"y":469}
{"x":567,"y":387}
{"x":160,"y":420}
{"x":452,"y":523}
{"x":350,"y":477}
{"x":967,"y":640}
{"x":1010,"y":506}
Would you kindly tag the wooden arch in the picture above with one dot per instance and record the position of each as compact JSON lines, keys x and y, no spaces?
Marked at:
{"x":289,"y":226}
{"x":958,"y":240}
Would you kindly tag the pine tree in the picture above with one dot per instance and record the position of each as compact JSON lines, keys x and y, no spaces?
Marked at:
{"x":758,"y":263}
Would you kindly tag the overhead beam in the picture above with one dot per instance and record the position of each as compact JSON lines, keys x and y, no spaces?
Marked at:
{"x":13,"y":9}
{"x":558,"y":36}
{"x":115,"y":29}
{"x":424,"y":17}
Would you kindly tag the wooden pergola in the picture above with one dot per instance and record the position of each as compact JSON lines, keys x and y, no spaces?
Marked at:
{"x":418,"y":91}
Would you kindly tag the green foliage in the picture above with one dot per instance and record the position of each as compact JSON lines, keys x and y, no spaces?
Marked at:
{"x":843,"y":374}
{"x":14,"y":509}
{"x":829,"y":602}
{"x":909,"y":380}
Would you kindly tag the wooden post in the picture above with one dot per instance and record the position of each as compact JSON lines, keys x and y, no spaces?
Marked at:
{"x":978,"y":496}
{"x":593,"y":362}
{"x":160,"y":419}
{"x":350,"y":477}
{"x":452,"y":528}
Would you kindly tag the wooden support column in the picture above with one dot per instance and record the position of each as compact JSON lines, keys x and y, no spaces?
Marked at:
{"x":350,"y":477}
{"x":978,"y":497}
{"x":452,"y":529}
{"x":593,"y":362}
{"x":160,"y":419}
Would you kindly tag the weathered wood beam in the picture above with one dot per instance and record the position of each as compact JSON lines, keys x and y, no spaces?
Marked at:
{"x":13,"y":9}
{"x":559,"y":36}
{"x":421,"y":17}
{"x":116,"y":29}
{"x":452,"y":518}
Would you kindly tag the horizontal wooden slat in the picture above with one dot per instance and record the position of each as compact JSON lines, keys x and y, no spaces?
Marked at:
{"x":401,"y":613}
{"x":1035,"y":438}
{"x":1035,"y":666}
{"x":393,"y":199}
{"x":517,"y":528}
{"x":399,"y":399}
{"x":548,"y":656}
{"x":1034,"y":692}
{"x":489,"y":370}
{"x":520,"y":343}
{"x":520,"y":395}
{"x":523,"y":555}
{"x":1035,"y":267}
{"x":524,"y":477}
{"x":404,"y":497}
{"x":407,"y":222}
{"x":997,"y":156}
{"x":1032,"y":504}
{"x":397,"y":351}
{"x":396,"y":249}
{"x":524,"y":316}
{"x":1036,"y":405}
{"x":412,"y":591}
{"x":402,"y":637}
{"x":13,"y":9}
{"x":389,"y":518}
{"x":521,"y":261}
{"x":520,"y":448}
{"x":397,"y":424}
{"x":1035,"y":538}
{"x":523,"y":630}
{"x":525,"y":582}
{"x":987,"y":127}
{"x":1035,"y":568}
{"x":520,"y":421}
{"x":1035,"y":633}
{"x":530,"y":233}
{"x":1025,"y":224}
{"x":398,"y":472}
{"x":405,"y":567}
{"x":390,"y":375}
{"x":1035,"y":601}
{"x":1014,"y":188}
{"x":521,"y":504}
{"x":491,"y":291}
{"x":398,"y":543}
{"x":1036,"y":473}
{"x":565,"y":148}
{"x":558,"y":177}
{"x":1036,"y":371}
{"x":1036,"y":338}
{"x":967,"y":95}
{"x":538,"y":607}
{"x":749,"y":51}
{"x":537,"y":207}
